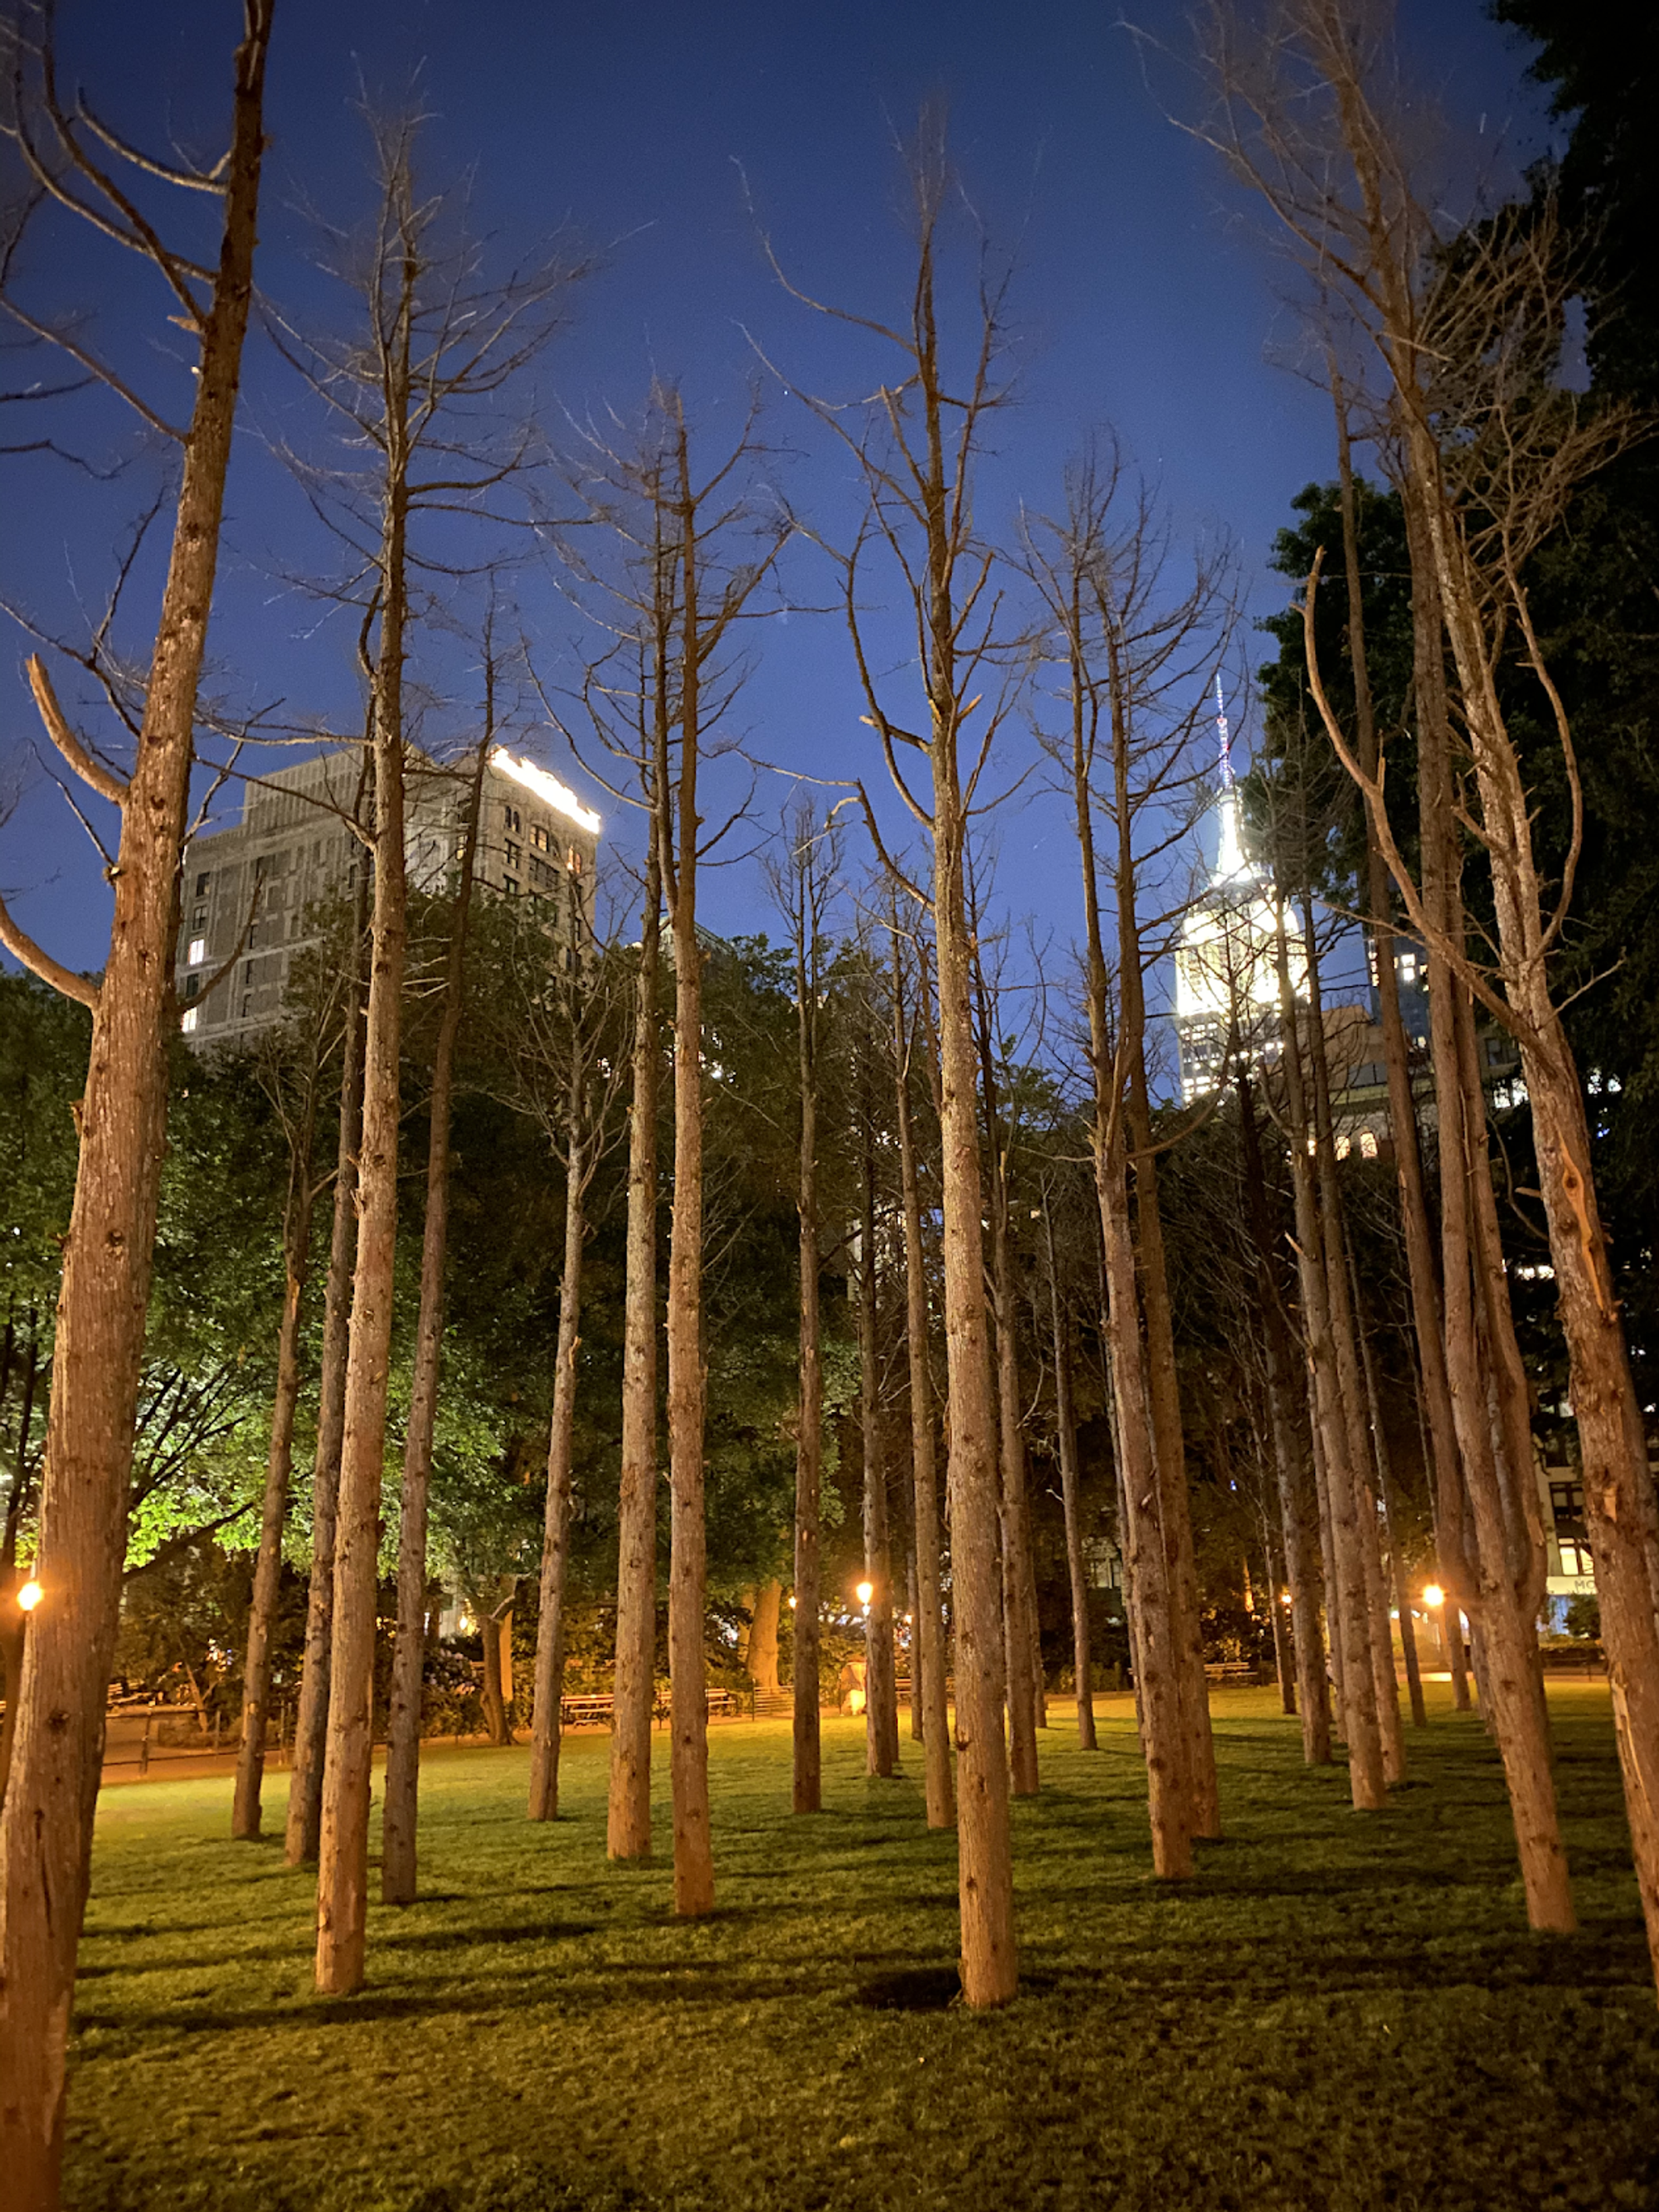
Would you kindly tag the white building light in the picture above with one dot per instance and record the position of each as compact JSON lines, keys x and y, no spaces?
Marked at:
{"x":198,"y":952}
{"x":548,"y":788}
{"x":189,"y":1022}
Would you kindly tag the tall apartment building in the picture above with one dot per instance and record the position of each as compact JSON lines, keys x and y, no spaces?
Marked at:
{"x":254,"y":891}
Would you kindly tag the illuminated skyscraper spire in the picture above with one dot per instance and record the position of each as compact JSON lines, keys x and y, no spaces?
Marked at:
{"x":1230,"y":865}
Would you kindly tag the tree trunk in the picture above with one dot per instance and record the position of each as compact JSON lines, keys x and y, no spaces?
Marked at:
{"x":279,"y":1464}
{"x":342,"y":1855}
{"x":1151,"y":1628}
{"x":46,"y":1831}
{"x":1445,"y":1480}
{"x":764,"y":1639}
{"x":927,"y":1636}
{"x":694,"y":1862}
{"x":399,"y":1862}
{"x":628,"y":1830}
{"x":1203,"y":1808}
{"x":1506,"y":1639}
{"x":880,"y":1688}
{"x":807,"y":1772}
{"x":1302,"y":1562}
{"x":1402,"y":1596}
{"x":1016,"y":1529}
{"x":493,"y":1689}
{"x":985,"y":1871}
{"x":1344,"y":1331}
{"x":305,"y":1785}
{"x":1066,"y":1436}
{"x":1358,"y":1683}
{"x":1144,"y":1555}
{"x":546,"y":1721}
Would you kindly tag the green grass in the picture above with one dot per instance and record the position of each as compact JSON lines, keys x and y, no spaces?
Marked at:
{"x":1340,"y":2012}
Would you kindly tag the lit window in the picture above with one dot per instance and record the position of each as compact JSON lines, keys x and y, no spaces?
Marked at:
{"x":190,"y":1019}
{"x":1367,"y":1144}
{"x":1342,"y":1148}
{"x":514,"y":854}
{"x":198,"y":952}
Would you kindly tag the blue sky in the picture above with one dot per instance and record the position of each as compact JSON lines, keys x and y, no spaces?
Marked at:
{"x":1144,"y":300}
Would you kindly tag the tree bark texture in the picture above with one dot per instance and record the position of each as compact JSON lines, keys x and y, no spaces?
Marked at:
{"x":628,"y":1828}
{"x":880,"y":1685}
{"x":694,"y":1862}
{"x":807,"y":1779}
{"x":305,"y":1786}
{"x":1302,"y":1560}
{"x":245,"y":1814}
{"x":46,"y":1829}
{"x":546,"y":1726}
{"x":342,"y":1855}
{"x":1066,"y":1443}
{"x":1357,"y":1682}
{"x":399,"y":1873}
{"x":928,"y":1641}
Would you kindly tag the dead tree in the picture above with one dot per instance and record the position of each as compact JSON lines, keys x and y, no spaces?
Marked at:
{"x":398,"y":1820}
{"x":78,"y":165}
{"x":928,"y":1659}
{"x":293,"y":1073}
{"x":418,"y":385}
{"x":804,"y":885}
{"x":916,"y":445}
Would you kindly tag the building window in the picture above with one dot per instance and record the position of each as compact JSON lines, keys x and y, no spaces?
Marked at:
{"x":189,"y":1022}
{"x":513,"y":820}
{"x":573,"y":861}
{"x":1344,"y":1146}
{"x":198,"y":921}
{"x":1367,"y":1144}
{"x":514,"y":854}
{"x":192,"y":987}
{"x":202,"y":882}
{"x":539,"y":835}
{"x":510,"y":886}
{"x":198,"y":952}
{"x":1576,"y":1559}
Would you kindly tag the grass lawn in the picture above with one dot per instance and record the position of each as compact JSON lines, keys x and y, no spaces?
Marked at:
{"x":1340,"y":2012}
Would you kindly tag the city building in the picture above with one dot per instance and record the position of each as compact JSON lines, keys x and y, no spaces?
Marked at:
{"x":256,"y":893}
{"x":1226,"y":963}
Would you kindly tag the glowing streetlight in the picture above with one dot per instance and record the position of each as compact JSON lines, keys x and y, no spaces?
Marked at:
{"x":1284,"y":1597}
{"x":866,"y":1591}
{"x":791,"y":1601}
{"x":30,"y":1596}
{"x":1433,"y":1595}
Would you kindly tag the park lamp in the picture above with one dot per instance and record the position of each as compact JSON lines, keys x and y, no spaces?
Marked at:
{"x":866,"y":1591}
{"x":1433,"y":1595}
{"x":30,"y":1595}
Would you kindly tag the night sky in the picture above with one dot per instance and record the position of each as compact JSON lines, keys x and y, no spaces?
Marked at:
{"x":1146,"y":300}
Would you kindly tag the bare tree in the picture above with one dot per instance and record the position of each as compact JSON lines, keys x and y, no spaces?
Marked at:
{"x":76,"y":164}
{"x":927,"y":1613}
{"x":574,"y":1041}
{"x":916,"y":445}
{"x":803,"y":885}
{"x":1462,"y":338}
{"x":419,"y":386}
{"x":398,"y":1867}
{"x":1137,"y":650}
{"x":305,"y":1791}
{"x":292,"y":1069}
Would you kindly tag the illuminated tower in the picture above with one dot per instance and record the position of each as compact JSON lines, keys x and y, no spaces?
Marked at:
{"x":1226,"y":971}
